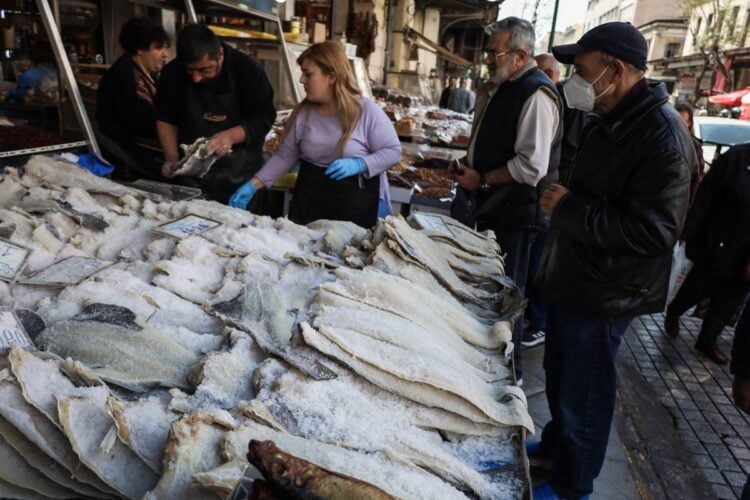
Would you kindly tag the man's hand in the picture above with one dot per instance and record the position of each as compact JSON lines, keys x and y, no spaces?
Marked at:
{"x":220,"y":144}
{"x":551,"y":197}
{"x":167,"y":169}
{"x":467,"y":177}
{"x":741,"y":392}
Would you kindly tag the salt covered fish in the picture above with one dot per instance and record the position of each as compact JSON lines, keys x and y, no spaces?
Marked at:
{"x":145,"y":357}
{"x":196,"y":160}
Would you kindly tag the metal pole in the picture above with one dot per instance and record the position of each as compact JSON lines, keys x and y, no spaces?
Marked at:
{"x":66,"y":72}
{"x":288,"y":63}
{"x":190,"y":8}
{"x":554,"y":26}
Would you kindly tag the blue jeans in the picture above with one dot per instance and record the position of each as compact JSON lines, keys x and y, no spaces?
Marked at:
{"x":579,"y":365}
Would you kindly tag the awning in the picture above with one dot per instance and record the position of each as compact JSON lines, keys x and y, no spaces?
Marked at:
{"x":730,"y":98}
{"x":427,"y":44}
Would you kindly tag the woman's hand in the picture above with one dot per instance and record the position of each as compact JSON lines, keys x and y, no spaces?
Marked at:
{"x":345,"y":167}
{"x":243,"y":195}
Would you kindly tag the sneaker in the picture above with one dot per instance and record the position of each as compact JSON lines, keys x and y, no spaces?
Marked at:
{"x":532,"y":338}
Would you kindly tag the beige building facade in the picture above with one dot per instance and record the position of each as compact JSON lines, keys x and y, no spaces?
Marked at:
{"x":636,"y":12}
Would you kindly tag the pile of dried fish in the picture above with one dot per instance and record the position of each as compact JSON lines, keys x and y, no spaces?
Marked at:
{"x":376,"y":362}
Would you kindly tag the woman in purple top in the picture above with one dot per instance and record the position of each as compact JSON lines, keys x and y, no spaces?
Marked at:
{"x":343,"y":142}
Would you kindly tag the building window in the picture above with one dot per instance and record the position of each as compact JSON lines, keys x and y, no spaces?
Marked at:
{"x":745,"y":29}
{"x":672,"y":50}
{"x":733,"y":21}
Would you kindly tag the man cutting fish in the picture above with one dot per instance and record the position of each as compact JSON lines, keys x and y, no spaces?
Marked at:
{"x":609,"y":247}
{"x":212,"y":90}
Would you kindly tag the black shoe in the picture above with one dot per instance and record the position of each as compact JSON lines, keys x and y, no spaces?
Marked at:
{"x":672,"y":325}
{"x":532,"y":337}
{"x":713,"y":352}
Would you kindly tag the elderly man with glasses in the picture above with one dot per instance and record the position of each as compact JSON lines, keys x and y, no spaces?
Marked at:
{"x":514,"y":149}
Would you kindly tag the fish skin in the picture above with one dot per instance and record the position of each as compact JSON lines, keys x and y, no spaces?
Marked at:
{"x":287,"y":474}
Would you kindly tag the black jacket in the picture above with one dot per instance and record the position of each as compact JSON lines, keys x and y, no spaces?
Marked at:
{"x":717,"y":228}
{"x":610,"y":244}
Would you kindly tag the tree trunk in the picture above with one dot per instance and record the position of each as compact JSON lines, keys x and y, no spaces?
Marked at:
{"x":697,"y":90}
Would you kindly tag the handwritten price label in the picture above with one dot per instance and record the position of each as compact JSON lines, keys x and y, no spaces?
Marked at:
{"x":187,"y":226}
{"x":12,"y":259}
{"x":12,"y":332}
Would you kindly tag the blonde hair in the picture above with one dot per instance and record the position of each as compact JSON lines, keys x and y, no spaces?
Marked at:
{"x":330,"y":58}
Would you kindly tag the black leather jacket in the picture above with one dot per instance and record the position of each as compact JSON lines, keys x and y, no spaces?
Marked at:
{"x":610,"y":244}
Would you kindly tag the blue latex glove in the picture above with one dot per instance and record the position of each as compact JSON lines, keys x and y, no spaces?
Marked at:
{"x":243,"y":195}
{"x":345,"y":167}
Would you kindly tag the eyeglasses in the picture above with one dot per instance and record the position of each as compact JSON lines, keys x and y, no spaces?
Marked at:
{"x":493,"y":54}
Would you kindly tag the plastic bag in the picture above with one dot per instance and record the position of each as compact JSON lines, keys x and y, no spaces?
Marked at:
{"x":681,"y":266}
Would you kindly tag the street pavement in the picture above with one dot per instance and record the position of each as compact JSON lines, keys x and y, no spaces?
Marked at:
{"x":697,"y":395}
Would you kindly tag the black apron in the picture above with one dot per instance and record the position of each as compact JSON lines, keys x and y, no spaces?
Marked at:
{"x":210,"y":112}
{"x":317,"y":196}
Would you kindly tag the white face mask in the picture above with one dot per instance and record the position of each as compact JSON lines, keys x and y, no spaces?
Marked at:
{"x":580,"y":94}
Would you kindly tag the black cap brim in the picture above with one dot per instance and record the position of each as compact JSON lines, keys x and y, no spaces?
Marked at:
{"x":567,"y":53}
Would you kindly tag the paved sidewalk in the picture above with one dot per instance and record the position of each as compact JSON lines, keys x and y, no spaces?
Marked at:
{"x":698,"y":394}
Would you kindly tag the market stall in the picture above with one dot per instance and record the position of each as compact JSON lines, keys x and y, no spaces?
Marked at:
{"x":376,"y":360}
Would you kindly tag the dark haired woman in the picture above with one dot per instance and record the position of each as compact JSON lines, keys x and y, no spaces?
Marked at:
{"x":124,"y":101}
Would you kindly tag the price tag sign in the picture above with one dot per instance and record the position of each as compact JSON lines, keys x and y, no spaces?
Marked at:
{"x":432,"y":222}
{"x":12,"y":259}
{"x":70,"y":271}
{"x":186,"y":226}
{"x":12,"y":332}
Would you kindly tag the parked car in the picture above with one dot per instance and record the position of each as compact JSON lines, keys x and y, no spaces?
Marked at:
{"x":718,"y":134}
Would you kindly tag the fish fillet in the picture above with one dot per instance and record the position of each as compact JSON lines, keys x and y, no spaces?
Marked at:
{"x":40,"y":431}
{"x":414,"y":367}
{"x":192,"y":447}
{"x":222,"y":479}
{"x":45,"y":464}
{"x":132,"y":358}
{"x":420,"y":393}
{"x":87,"y":425}
{"x":15,"y":470}
{"x":374,"y":468}
{"x":143,"y":426}
{"x":446,"y":349}
{"x":397,"y":295}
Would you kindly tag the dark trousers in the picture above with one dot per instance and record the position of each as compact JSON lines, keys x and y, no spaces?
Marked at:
{"x":516,"y":244}
{"x":581,"y":384}
{"x":536,"y":313}
{"x":726,"y":296}
{"x":741,"y":346}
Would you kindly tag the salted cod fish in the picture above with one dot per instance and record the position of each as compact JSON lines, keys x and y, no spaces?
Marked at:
{"x":192,"y":447}
{"x":434,"y":258}
{"x":335,"y":412}
{"x":143,"y":426}
{"x":421,"y":393}
{"x":196,"y":161}
{"x":91,"y":431}
{"x":65,"y":174}
{"x":118,"y":287}
{"x":135,"y":356}
{"x":224,"y":378}
{"x":413,"y":302}
{"x":223,"y":479}
{"x":8,"y":490}
{"x":45,"y":464}
{"x":399,"y":480}
{"x":419,"y":415}
{"x":15,"y":470}
{"x":40,"y":431}
{"x":414,"y":367}
{"x":446,"y":349}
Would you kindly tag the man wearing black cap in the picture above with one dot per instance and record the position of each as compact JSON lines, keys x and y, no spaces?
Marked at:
{"x":610,"y":243}
{"x":514,"y":149}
